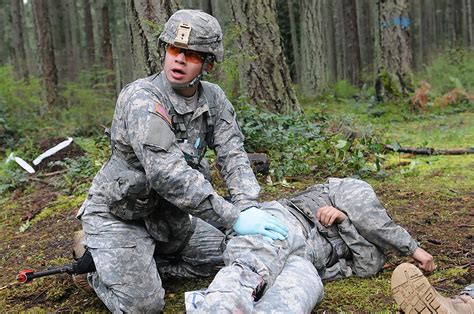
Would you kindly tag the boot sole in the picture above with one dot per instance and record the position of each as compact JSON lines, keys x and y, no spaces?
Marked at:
{"x":413,"y":292}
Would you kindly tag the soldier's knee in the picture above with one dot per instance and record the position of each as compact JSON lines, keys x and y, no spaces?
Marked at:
{"x":141,"y":301}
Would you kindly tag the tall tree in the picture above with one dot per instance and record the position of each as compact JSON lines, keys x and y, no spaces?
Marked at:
{"x":146,"y":19}
{"x":5,"y":32}
{"x":294,"y":42}
{"x":73,"y":46}
{"x":352,"y":57}
{"x":106,"y":38}
{"x":120,"y":45}
{"x":330,"y":44}
{"x":394,"y":73}
{"x":21,"y":65}
{"x":313,"y":56}
{"x":416,"y":34}
{"x":366,"y":34}
{"x":264,"y":74}
{"x":57,"y":10}
{"x":107,"y":55}
{"x":46,"y":51}
{"x":339,"y":38}
{"x":89,"y":31}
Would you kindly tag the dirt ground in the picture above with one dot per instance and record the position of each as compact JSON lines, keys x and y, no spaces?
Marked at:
{"x":38,"y":223}
{"x":445,"y":230}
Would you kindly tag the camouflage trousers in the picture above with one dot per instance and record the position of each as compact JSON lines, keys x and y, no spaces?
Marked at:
{"x":283,"y":271}
{"x":129,"y":262}
{"x":289,"y":273}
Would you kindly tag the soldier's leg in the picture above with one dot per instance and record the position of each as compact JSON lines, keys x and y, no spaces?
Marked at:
{"x":200,"y":257}
{"x":253,"y":263}
{"x":126,"y":279}
{"x":297,"y":289}
{"x":358,"y":200}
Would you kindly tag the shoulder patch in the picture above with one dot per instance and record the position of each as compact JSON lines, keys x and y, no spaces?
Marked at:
{"x":161,"y":111}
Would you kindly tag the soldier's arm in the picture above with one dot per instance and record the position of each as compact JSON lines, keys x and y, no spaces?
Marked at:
{"x":154,"y":143}
{"x":232,"y":158}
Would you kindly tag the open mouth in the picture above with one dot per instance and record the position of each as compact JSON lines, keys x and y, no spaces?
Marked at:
{"x":178,"y":71}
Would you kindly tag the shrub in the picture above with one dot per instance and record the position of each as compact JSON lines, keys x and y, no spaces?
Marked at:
{"x":303,"y":144}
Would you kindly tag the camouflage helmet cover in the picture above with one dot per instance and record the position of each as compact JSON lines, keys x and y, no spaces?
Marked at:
{"x":194,"y":30}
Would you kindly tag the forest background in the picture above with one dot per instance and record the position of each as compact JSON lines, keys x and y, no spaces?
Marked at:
{"x":323,"y":88}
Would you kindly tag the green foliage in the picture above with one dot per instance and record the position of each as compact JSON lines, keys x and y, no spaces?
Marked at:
{"x":452,"y":69}
{"x":20,"y":107}
{"x":344,"y":90}
{"x":227,"y":73}
{"x":89,"y":104}
{"x":302,"y":144}
{"x":80,"y":171}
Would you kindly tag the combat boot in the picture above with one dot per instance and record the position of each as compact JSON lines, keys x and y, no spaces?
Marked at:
{"x":78,"y":250}
{"x":414,"y":294}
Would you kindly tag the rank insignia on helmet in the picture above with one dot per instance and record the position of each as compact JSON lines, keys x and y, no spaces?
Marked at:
{"x":161,"y":111}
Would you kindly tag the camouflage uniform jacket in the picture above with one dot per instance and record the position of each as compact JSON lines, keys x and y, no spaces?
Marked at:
{"x":155,"y":153}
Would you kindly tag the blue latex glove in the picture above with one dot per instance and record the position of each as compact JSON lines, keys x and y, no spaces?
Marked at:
{"x":256,"y":221}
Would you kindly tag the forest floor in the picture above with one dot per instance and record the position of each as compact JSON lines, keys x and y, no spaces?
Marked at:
{"x":431,"y":196}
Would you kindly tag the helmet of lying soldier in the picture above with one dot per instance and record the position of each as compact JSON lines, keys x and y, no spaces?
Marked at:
{"x":194,"y":30}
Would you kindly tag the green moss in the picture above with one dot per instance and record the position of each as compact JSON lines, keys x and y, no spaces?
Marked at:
{"x":359,"y":294}
{"x":61,"y":205}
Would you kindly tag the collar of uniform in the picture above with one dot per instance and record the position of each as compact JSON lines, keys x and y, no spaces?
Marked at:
{"x":203,"y":105}
{"x":176,"y":100}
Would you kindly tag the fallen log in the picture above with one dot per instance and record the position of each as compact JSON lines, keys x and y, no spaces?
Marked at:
{"x":430,"y":151}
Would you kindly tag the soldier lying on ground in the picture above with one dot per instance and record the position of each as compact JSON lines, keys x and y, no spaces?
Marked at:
{"x":138,"y":208}
{"x":336,"y":230}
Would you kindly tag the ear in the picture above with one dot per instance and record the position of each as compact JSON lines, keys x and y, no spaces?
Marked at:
{"x":210,"y":65}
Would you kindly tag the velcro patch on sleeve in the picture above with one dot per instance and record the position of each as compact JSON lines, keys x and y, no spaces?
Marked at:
{"x":161,"y":111}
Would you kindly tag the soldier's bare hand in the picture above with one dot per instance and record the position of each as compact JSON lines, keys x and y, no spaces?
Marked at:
{"x":327,"y":215}
{"x":424,"y":259}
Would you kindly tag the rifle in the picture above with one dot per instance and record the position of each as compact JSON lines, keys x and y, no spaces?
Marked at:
{"x":82,"y":265}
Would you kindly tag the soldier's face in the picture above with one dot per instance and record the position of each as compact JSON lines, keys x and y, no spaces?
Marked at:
{"x":181,"y":66}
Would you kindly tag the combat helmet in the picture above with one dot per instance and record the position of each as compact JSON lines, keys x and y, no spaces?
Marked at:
{"x":194,"y":30}
{"x":198,"y":31}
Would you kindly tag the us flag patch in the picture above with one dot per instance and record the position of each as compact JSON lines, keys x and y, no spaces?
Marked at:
{"x":161,"y":111}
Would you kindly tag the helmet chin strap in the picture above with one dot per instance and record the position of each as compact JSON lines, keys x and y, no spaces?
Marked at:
{"x":195,"y":80}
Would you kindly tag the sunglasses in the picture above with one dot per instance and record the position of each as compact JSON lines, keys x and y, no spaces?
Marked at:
{"x":191,"y":56}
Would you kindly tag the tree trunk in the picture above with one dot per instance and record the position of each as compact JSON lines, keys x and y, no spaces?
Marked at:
{"x":21,"y":67}
{"x":107,"y":55}
{"x":428,"y":37}
{"x":4,"y":34}
{"x":394,"y":74}
{"x":46,"y":51}
{"x":330,"y":43}
{"x":339,"y":38}
{"x":416,"y":34}
{"x":89,"y":30}
{"x":106,"y":38}
{"x":313,"y":56}
{"x":294,"y":43}
{"x":146,"y":19}
{"x":470,"y":27}
{"x":73,"y":55}
{"x":366,"y":34}
{"x":60,"y":36}
{"x":352,"y":58}
{"x":264,"y":74}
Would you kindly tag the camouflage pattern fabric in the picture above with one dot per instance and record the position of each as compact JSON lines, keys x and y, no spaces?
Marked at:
{"x":138,"y":210}
{"x":253,"y":261}
{"x":292,"y":270}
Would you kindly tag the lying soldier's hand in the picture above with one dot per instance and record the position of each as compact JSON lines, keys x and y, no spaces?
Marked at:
{"x":425,"y":260}
{"x":327,"y":215}
{"x":256,"y":221}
